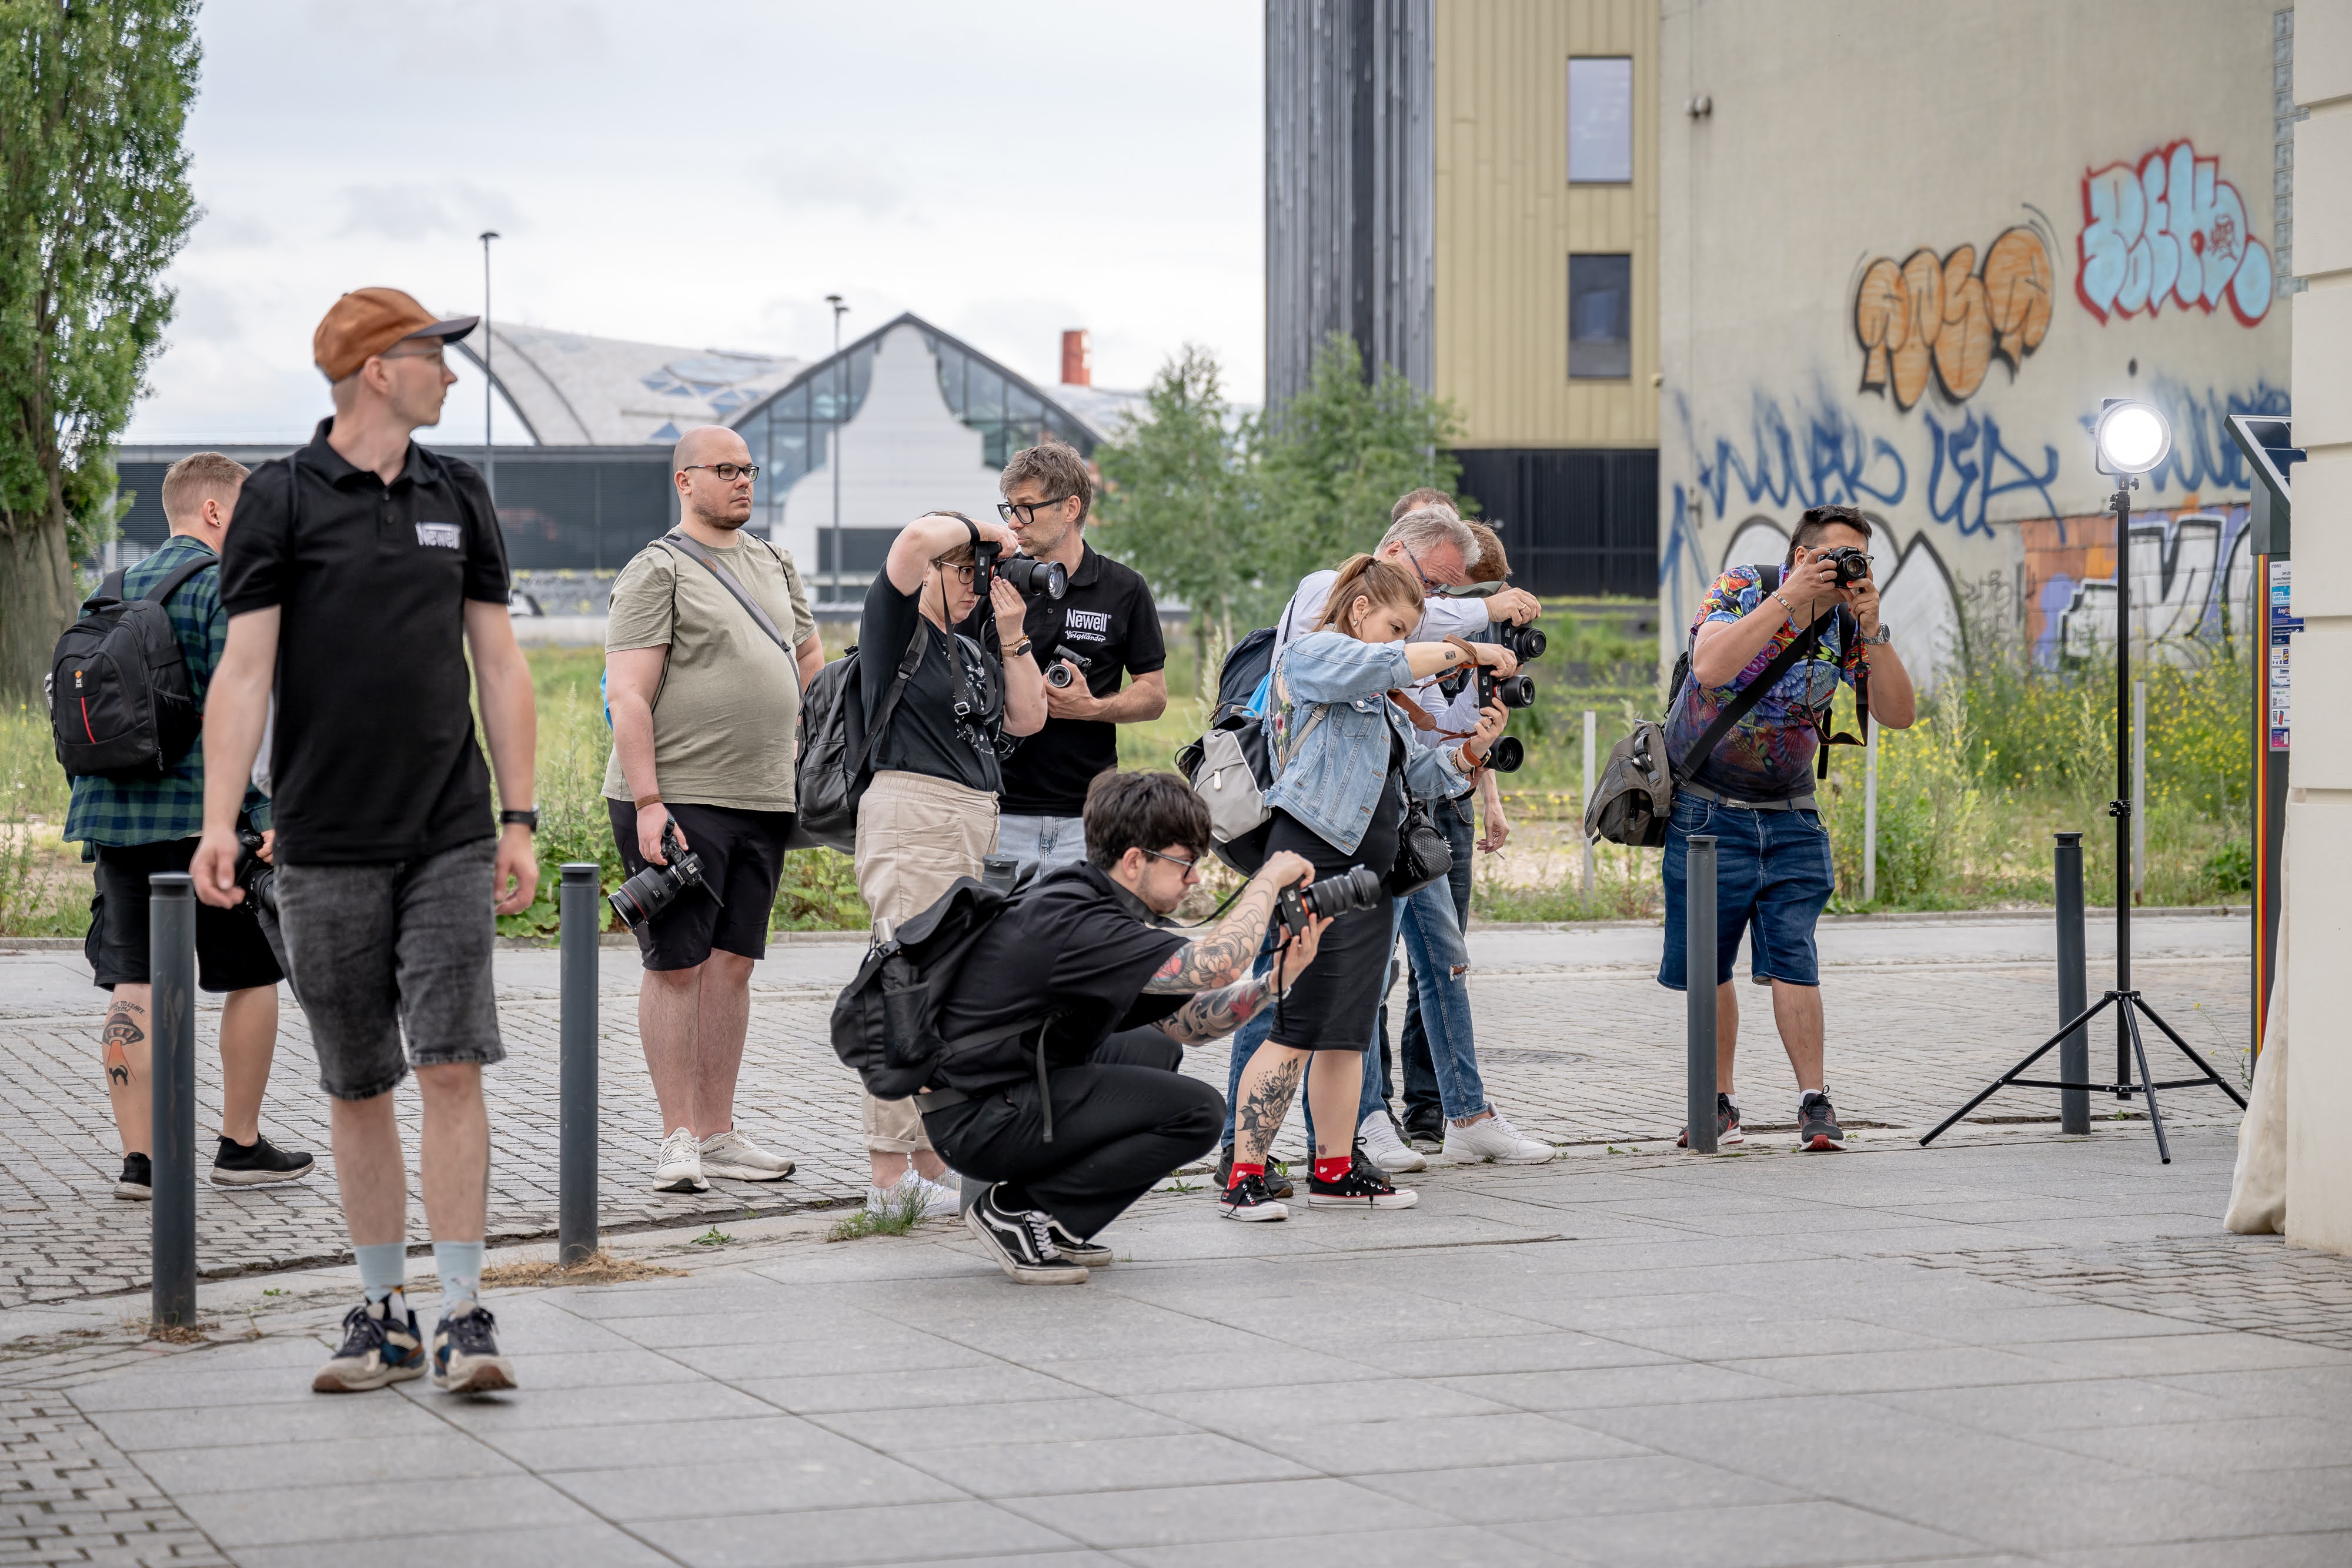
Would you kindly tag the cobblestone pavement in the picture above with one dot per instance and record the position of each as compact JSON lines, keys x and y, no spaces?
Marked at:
{"x":1577,"y":1042}
{"x":1626,"y":1359}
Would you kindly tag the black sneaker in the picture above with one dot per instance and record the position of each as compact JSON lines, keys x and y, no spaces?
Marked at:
{"x":1425,"y":1131}
{"x":1726,"y":1126}
{"x":1022,"y":1242}
{"x":379,"y":1347}
{"x":259,"y":1164}
{"x":1817,"y":1126}
{"x":466,"y":1358}
{"x":1277,"y":1177}
{"x":137,"y":1180}
{"x":1251,"y":1199}
{"x":1085,"y":1254}
{"x":1364,"y":1187}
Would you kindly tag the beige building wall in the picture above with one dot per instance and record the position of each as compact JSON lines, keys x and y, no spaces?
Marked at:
{"x":1507,"y":220}
{"x":2319,"y":808}
{"x":1907,"y":253}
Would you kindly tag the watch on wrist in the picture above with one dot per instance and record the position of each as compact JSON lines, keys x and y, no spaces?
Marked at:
{"x":1880,"y":638}
{"x":527,"y":819}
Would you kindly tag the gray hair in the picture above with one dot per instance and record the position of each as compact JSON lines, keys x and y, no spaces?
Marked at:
{"x":1431,"y":526}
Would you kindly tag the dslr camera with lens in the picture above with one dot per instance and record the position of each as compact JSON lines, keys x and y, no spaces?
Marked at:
{"x":256,"y":875}
{"x":653,"y":890}
{"x":1030,"y":579}
{"x":1057,"y":675}
{"x":1852,"y":565}
{"x":1524,"y":641}
{"x":1358,"y":887}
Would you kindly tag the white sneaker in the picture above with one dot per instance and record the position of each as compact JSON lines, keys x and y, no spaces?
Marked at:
{"x":1384,"y":1148}
{"x":679,"y":1169}
{"x":942,"y":1199}
{"x":1494,"y":1138}
{"x":731,"y":1155}
{"x":930,"y":1199}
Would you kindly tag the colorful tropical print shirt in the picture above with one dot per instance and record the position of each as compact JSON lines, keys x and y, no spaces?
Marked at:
{"x":1768,"y":755}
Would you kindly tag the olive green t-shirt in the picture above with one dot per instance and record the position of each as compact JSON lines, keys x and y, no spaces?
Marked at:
{"x":727,"y":717}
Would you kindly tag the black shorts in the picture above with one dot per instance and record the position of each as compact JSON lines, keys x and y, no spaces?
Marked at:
{"x":231,"y":954}
{"x":742,"y":855}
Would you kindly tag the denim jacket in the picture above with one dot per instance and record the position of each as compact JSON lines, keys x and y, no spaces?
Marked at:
{"x":1335,"y":778}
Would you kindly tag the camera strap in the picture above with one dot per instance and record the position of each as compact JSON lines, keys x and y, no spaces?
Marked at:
{"x":1749,"y":695}
{"x":693,"y":549}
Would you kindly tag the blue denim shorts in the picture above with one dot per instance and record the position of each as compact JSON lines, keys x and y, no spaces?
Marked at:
{"x":1772,"y":877}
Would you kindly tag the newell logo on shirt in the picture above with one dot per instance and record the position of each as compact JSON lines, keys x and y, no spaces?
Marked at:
{"x":441,"y":536}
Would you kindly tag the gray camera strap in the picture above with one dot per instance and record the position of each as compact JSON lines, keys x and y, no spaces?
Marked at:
{"x":694,"y":549}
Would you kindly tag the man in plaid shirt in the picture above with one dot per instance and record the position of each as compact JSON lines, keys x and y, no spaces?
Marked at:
{"x":132,"y":831}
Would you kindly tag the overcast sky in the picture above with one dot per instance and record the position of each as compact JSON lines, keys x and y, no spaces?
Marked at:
{"x":705,"y":174}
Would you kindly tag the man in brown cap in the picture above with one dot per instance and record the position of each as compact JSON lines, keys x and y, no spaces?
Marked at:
{"x":360,"y":571}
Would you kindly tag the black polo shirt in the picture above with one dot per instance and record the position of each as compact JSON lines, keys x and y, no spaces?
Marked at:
{"x":374,"y":757}
{"x":1106,"y":616}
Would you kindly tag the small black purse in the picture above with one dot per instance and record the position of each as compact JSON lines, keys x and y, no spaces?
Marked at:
{"x":1424,"y":854}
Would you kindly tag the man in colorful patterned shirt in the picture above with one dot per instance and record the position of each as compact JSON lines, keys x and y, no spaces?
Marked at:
{"x":1755,"y":791}
{"x":132,"y":831}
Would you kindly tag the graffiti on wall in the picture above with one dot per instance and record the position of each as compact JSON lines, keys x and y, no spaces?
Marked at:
{"x":2168,"y":227}
{"x":1945,"y":317}
{"x":2191,"y":581}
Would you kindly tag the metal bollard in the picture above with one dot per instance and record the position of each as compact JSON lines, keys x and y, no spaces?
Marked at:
{"x":581,"y":911}
{"x":2073,"y":987}
{"x":1698,"y":950}
{"x":172,"y":1073}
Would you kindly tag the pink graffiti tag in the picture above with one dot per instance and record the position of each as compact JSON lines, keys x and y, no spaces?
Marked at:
{"x":2173,"y":229}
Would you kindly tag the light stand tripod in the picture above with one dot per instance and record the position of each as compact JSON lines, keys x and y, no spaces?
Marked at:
{"x":2128,"y":1003}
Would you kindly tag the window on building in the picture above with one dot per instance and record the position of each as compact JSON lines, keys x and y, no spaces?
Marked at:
{"x":1600,"y":318}
{"x":1600,"y":120}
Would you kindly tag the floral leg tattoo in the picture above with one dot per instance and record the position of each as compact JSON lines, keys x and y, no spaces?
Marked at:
{"x":1263,"y":1106}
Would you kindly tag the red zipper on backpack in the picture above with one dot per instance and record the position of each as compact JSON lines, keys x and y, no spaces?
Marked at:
{"x":85,"y":721}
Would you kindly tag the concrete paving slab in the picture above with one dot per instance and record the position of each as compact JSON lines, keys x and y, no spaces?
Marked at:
{"x":817,"y":1537}
{"x":1249,"y":1511}
{"x":848,"y":1476}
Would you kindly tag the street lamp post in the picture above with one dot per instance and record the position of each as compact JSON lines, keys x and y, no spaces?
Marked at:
{"x":839,"y":310}
{"x":489,"y":452}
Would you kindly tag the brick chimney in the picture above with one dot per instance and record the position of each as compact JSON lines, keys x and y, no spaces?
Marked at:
{"x":1077,"y":358}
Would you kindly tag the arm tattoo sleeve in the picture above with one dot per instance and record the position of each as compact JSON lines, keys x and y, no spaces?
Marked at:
{"x":1223,"y":955}
{"x":1213,"y":1015}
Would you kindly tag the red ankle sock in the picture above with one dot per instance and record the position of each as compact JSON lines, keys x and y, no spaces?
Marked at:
{"x":1335,"y":1169}
{"x":1242,"y":1170}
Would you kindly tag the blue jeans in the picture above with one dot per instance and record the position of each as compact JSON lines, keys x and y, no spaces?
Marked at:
{"x":1422,"y":1092}
{"x":1044,"y":842}
{"x":1773,"y":878}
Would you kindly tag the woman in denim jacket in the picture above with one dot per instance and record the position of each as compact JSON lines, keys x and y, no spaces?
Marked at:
{"x":1344,"y":764}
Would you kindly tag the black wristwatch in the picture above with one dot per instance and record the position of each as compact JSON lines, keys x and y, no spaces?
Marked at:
{"x":527,"y":819}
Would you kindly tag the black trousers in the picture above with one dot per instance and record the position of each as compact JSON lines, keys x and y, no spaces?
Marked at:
{"x":1121,"y":1123}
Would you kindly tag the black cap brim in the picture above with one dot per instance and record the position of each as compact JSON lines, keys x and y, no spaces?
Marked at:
{"x":448,"y":331}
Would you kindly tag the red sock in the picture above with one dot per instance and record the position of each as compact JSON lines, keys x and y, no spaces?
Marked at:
{"x":1335,"y":1169}
{"x":1242,"y":1170}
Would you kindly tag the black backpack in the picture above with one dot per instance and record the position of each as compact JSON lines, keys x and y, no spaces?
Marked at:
{"x":836,"y":759}
{"x":122,"y":705}
{"x":886,"y":1021}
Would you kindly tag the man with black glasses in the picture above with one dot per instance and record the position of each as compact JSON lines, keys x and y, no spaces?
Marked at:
{"x":1105,"y":618}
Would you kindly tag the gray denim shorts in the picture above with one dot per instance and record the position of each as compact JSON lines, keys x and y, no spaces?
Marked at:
{"x":397,"y":947}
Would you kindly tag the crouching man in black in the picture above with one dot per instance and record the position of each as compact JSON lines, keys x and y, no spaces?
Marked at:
{"x":1071,"y":1134}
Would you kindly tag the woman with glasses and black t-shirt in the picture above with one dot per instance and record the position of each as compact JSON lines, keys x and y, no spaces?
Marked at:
{"x":930,"y":813}
{"x":1337,"y":727}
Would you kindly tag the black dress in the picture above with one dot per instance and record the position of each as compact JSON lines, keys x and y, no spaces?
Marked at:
{"x":1336,"y":1003}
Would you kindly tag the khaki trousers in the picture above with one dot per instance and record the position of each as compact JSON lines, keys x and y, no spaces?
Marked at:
{"x":915,"y":835}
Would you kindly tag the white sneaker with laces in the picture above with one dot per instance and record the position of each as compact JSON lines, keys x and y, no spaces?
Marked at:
{"x":1384,"y":1148}
{"x":940,"y":1198}
{"x":679,"y":1169}
{"x":736,"y":1158}
{"x":930,"y":1199}
{"x":1494,"y":1138}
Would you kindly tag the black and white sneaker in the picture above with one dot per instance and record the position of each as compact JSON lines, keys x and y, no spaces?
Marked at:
{"x":1817,"y":1126}
{"x":1364,"y":1187}
{"x":1022,"y":1242}
{"x":1277,"y":1179}
{"x":381,"y":1346}
{"x":137,"y":1182}
{"x":466,"y":1358}
{"x":259,"y":1164}
{"x":1085,"y":1254}
{"x":1251,"y":1199}
{"x":1726,"y":1126}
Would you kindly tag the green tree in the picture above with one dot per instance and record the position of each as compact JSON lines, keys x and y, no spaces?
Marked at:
{"x":1174,"y":505}
{"x":94,"y":203}
{"x":1326,"y":466}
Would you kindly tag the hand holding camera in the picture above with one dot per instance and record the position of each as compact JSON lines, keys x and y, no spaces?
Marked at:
{"x":654,"y":889}
{"x":1358,"y":887}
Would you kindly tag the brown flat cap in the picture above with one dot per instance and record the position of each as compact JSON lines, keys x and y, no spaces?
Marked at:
{"x":367,"y":321}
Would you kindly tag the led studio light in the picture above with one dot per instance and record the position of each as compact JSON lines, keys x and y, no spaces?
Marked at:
{"x":2131,"y":437}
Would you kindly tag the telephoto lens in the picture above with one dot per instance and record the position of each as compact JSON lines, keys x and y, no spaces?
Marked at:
{"x":1358,"y":887}
{"x":1511,"y":691}
{"x":1031,"y":579}
{"x":653,"y":890}
{"x":1524,"y":641}
{"x":1505,"y":755}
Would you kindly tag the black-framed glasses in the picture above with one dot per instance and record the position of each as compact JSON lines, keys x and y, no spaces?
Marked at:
{"x":1028,"y":510}
{"x":1191,"y":867}
{"x":729,"y":472}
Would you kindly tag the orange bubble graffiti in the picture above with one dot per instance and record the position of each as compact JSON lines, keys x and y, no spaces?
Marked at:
{"x":1947,"y":317}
